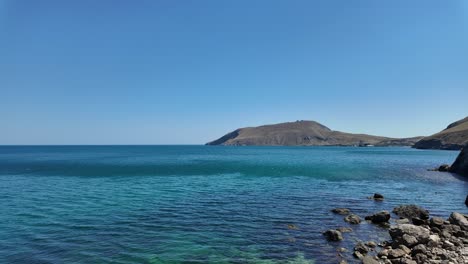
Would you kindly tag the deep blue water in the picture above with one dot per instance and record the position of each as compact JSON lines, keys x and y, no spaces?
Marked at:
{"x":205,"y":204}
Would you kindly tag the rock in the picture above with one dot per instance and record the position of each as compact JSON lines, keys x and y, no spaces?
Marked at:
{"x":358,"y":255}
{"x":378,"y":197}
{"x":343,"y":262}
{"x":345,"y":229}
{"x":409,"y":235}
{"x":405,"y":249}
{"x":333,"y":235}
{"x":411,"y":211}
{"x":466,"y":201}
{"x":341,"y":211}
{"x":407,"y":261}
{"x":396,"y":253}
{"x":380,"y":217}
{"x":342,"y":249}
{"x":369,"y":260}
{"x":436,"y":222}
{"x":444,"y":168}
{"x":434,"y":241}
{"x":361,"y":248}
{"x":419,"y":249}
{"x":371,"y":244}
{"x":353,"y":219}
{"x":460,"y":165}
{"x":459,"y":220}
{"x":418,"y":221}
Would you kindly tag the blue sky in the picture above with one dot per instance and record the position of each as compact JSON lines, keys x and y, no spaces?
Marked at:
{"x":187,"y":72}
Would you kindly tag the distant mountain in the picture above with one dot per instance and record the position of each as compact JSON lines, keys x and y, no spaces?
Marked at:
{"x":454,"y":137}
{"x":304,"y":133}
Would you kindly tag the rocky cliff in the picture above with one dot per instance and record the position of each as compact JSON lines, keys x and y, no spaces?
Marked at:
{"x":454,"y":137}
{"x":304,"y":133}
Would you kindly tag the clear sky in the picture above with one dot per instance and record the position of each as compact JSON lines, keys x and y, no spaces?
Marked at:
{"x":187,"y":72}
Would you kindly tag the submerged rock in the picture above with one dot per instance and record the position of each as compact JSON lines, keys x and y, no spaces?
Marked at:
{"x":341,"y":211}
{"x":333,"y":235}
{"x":345,"y":229}
{"x":378,"y":197}
{"x":353,"y":219}
{"x":411,"y":211}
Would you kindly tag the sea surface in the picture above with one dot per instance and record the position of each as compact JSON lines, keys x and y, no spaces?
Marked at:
{"x":206,"y":204}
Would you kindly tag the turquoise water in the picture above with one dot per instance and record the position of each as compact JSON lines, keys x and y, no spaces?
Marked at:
{"x":205,"y":204}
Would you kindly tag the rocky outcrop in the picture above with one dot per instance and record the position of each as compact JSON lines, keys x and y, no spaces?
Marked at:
{"x":454,"y":137}
{"x":304,"y":133}
{"x":460,"y":165}
{"x":411,"y":211}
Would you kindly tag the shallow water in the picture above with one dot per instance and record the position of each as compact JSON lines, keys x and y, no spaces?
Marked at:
{"x":205,"y":204}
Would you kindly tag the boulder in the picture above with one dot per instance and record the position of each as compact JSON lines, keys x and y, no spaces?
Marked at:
{"x":333,"y":235}
{"x":341,"y":211}
{"x":380,"y":217}
{"x":353,"y":219}
{"x":409,"y":235}
{"x":460,"y":165}
{"x":466,"y":201}
{"x":411,"y":211}
{"x":459,"y":220}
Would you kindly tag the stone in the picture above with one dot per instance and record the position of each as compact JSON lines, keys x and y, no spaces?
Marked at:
{"x":341,"y":211}
{"x":466,"y":201}
{"x":396,"y":253}
{"x":436,"y":221}
{"x":444,"y":168}
{"x":353,"y":219}
{"x":333,"y":235}
{"x":419,"y":249}
{"x":378,"y":197}
{"x":420,"y":234}
{"x":418,"y":221}
{"x":358,"y":255}
{"x":371,"y":244}
{"x":369,"y":260}
{"x":411,"y":211}
{"x":380,"y":217}
{"x":361,"y":248}
{"x":459,"y":220}
{"x":405,"y":249}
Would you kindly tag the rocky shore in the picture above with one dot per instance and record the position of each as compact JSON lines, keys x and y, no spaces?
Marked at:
{"x":416,"y":237}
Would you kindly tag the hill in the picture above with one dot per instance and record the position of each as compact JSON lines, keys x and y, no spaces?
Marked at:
{"x":454,"y":137}
{"x":304,"y":133}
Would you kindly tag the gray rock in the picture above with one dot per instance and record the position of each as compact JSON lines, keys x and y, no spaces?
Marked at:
{"x":371,"y":244}
{"x":333,"y":235}
{"x":396,"y":253}
{"x":411,"y":211}
{"x":436,"y":221}
{"x":341,"y":211}
{"x":353,"y":219}
{"x":459,"y":220}
{"x":466,"y":201}
{"x":398,"y":232}
{"x":369,"y":260}
{"x":419,"y":249}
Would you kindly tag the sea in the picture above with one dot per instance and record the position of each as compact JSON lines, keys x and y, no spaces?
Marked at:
{"x":207,"y":204}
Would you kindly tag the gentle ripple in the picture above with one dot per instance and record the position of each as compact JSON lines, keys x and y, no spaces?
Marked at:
{"x":205,"y":204}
